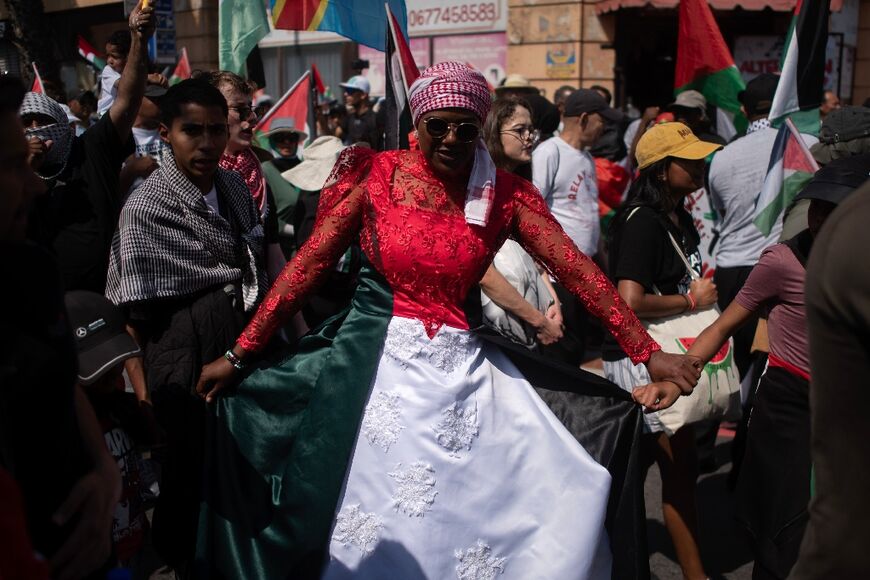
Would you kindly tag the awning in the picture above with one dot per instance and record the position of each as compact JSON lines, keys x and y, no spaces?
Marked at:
{"x":778,"y":5}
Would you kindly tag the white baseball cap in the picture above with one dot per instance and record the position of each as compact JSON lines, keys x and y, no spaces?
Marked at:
{"x":357,"y":83}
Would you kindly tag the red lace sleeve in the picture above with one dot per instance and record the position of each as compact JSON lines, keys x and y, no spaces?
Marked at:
{"x":339,"y":214}
{"x":542,"y":236}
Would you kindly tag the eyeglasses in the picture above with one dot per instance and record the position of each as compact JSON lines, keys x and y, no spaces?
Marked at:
{"x":244,"y":112}
{"x":524,"y":133}
{"x":438,"y":128}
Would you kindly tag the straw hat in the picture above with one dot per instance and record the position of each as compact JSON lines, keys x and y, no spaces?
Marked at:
{"x":318,"y":160}
{"x":516,"y":83}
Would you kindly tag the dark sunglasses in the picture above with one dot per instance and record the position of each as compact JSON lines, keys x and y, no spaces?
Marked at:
{"x":438,"y":128}
{"x":285,"y":138}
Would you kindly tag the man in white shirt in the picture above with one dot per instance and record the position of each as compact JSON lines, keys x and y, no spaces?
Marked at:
{"x":564,"y":172}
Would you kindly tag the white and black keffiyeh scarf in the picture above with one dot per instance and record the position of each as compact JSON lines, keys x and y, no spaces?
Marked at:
{"x":59,"y":132}
{"x":170,"y":244}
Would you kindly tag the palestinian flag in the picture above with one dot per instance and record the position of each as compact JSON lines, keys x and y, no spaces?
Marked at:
{"x":90,"y":54}
{"x":295,"y":104}
{"x":801,"y":86}
{"x":36,"y":87}
{"x":401,"y":72}
{"x":705,"y":64}
{"x":182,"y":69}
{"x":791,"y":166}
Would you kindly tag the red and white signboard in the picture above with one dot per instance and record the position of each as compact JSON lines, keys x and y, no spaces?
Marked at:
{"x":485,"y":52}
{"x":436,"y":17}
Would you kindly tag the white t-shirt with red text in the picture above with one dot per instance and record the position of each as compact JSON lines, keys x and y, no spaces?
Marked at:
{"x":566,"y":179}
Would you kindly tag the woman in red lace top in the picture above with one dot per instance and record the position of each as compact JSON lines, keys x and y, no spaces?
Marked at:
{"x":387,"y":422}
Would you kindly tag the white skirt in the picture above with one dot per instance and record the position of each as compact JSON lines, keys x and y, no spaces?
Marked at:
{"x":461,"y":471}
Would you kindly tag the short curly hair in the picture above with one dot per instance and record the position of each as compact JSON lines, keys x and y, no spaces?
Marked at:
{"x":219,"y":78}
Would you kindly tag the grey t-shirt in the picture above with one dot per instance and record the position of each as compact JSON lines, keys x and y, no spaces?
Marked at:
{"x":736,"y":177}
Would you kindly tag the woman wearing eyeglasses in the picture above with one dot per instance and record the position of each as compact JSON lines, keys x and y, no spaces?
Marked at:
{"x":518,"y":299}
{"x":395,"y":443}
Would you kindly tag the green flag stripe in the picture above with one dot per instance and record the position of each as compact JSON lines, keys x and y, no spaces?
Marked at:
{"x":791,"y":185}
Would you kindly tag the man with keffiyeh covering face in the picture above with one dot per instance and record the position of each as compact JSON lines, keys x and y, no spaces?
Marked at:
{"x":77,"y":217}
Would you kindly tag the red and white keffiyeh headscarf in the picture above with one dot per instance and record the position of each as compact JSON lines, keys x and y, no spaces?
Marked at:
{"x":453,"y":85}
{"x":246,"y":164}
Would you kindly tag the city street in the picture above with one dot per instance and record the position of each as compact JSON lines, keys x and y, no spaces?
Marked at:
{"x":724,"y":549}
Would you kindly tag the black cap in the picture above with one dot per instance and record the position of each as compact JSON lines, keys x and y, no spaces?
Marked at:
{"x":837,"y":179}
{"x":845,"y":124}
{"x":589,"y":101}
{"x":154,"y":92}
{"x":757,"y":98}
{"x":101,"y":336}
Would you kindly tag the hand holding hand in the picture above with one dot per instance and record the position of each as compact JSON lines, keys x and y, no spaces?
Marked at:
{"x":656,"y":396}
{"x":549,"y":331}
{"x":704,"y":292}
{"x":214,"y":378}
{"x":554,"y":313}
{"x":681,"y":369}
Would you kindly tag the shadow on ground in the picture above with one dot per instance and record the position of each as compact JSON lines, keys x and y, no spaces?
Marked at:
{"x":724,"y":549}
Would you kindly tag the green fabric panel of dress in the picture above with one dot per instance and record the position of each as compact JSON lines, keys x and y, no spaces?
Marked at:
{"x":279,"y":446}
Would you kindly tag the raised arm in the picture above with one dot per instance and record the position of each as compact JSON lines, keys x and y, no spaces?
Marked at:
{"x":339,"y":216}
{"x":542,"y":236}
{"x":131,"y":85}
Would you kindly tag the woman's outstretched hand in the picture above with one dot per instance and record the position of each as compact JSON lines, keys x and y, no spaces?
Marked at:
{"x":684,"y":370}
{"x":656,"y":396}
{"x":214,"y":378}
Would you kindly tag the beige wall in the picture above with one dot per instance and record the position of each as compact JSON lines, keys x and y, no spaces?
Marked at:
{"x":861,"y":88}
{"x":196,"y":27}
{"x":559,"y":42}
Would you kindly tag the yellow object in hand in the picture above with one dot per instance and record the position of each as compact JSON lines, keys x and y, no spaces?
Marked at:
{"x":144,"y":3}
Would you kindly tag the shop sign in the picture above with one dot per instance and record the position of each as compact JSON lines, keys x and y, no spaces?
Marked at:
{"x":562,"y":61}
{"x":485,"y":52}
{"x":437,"y":17}
{"x":376,"y":73}
{"x":755,"y":55}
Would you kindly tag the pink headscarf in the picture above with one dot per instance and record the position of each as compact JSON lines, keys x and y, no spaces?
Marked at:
{"x":449,"y":85}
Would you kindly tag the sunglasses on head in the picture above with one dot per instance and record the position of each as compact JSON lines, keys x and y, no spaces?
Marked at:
{"x":438,"y":128}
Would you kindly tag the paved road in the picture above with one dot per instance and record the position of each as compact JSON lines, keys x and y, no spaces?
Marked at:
{"x":724,"y":550}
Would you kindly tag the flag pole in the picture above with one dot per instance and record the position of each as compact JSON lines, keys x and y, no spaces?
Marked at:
{"x":280,"y":101}
{"x":312,"y":106}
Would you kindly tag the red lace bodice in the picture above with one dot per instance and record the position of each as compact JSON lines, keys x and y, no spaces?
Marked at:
{"x":413,"y":230}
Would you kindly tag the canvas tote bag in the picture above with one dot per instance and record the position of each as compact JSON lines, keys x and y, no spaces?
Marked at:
{"x":717,"y":394}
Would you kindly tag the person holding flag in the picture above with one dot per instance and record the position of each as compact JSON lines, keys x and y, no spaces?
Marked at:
{"x":735,"y":180}
{"x":78,"y":217}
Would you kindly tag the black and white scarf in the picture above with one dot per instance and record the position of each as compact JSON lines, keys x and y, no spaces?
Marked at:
{"x":170,"y":243}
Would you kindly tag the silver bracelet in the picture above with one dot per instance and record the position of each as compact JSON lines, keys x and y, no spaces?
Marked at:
{"x":234,"y":360}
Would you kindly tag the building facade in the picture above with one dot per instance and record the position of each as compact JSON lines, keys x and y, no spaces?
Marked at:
{"x":628,"y":46}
